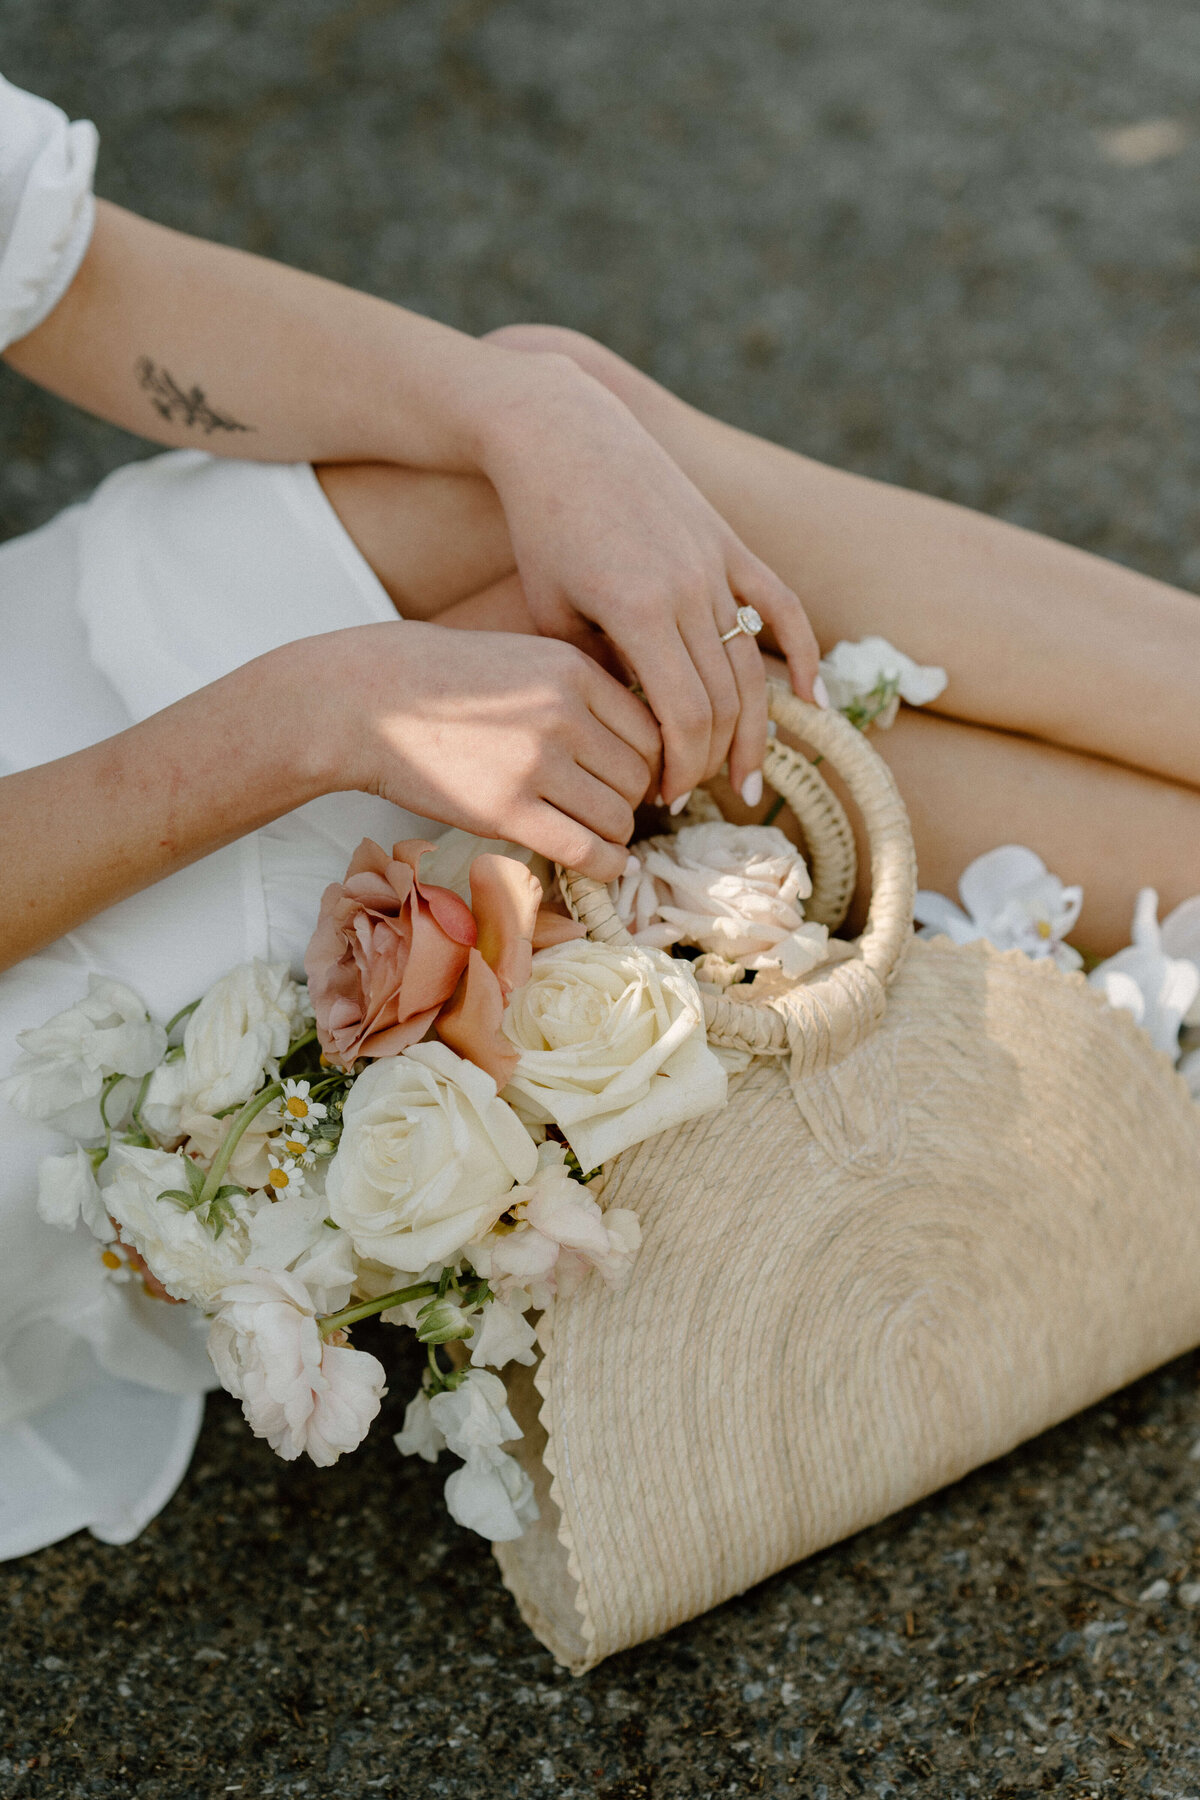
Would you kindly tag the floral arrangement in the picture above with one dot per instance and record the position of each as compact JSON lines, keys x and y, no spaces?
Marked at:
{"x":419,"y":1129}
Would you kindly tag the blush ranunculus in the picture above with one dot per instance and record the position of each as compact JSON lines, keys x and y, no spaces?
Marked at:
{"x":388,"y":952}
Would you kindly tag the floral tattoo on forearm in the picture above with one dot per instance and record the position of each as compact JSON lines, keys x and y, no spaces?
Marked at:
{"x":178,"y":407}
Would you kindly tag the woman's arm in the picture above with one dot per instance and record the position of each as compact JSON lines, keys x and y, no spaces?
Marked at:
{"x":507,"y":738}
{"x":192,"y":343}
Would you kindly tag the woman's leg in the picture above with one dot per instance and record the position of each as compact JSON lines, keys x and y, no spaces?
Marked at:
{"x":1037,"y":637}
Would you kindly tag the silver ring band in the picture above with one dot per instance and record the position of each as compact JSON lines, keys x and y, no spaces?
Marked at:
{"x":749,"y":621}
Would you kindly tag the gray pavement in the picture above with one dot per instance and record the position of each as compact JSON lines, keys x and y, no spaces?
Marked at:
{"x":918,"y":239}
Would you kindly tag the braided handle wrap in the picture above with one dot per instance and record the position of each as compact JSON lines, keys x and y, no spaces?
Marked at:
{"x":826,"y":1013}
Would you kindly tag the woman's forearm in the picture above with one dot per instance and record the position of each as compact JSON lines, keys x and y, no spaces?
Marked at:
{"x":83,"y":832}
{"x":191,"y":343}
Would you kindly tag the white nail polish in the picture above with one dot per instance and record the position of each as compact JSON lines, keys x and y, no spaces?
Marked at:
{"x":659,"y":801}
{"x":632,"y":865}
{"x":821,"y":695}
{"x":752,"y":787}
{"x":677,"y":806}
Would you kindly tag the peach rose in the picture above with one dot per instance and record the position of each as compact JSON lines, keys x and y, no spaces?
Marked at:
{"x":388,"y":952}
{"x":512,"y":921}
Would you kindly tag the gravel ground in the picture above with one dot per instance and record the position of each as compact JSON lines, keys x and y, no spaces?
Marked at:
{"x":951,"y":243}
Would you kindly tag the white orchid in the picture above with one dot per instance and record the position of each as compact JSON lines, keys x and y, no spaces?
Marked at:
{"x":1011,"y":900}
{"x":301,"y":1393}
{"x":1157,"y":978}
{"x":867,"y":681}
{"x":65,"y":1063}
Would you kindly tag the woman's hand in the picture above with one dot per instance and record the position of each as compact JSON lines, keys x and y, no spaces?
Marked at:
{"x":523,"y":738}
{"x":609,"y":533}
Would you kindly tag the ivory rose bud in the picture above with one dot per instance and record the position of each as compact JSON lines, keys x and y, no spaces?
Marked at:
{"x":387,"y":954}
{"x":427,"y":1156}
{"x":612,"y":1047}
{"x":297,"y":1391}
{"x":736,"y":890}
{"x":235,"y":1037}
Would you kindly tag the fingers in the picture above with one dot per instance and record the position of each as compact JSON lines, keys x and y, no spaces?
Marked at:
{"x":565,"y":840}
{"x":628,"y":719}
{"x":750,"y":735}
{"x":712,"y":662}
{"x":756,"y":585}
{"x":613,"y":761}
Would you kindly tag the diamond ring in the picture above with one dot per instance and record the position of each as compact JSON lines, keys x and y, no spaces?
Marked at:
{"x":749,"y":620}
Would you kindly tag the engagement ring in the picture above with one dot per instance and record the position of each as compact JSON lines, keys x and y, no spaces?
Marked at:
{"x":748,"y":620}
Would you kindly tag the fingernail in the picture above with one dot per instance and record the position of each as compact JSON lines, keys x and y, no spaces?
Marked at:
{"x":677,"y":806}
{"x":821,"y":695}
{"x":632,"y":865}
{"x":752,"y":787}
{"x":659,"y":801}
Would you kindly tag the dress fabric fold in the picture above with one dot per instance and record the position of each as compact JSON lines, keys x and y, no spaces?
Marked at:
{"x":176,"y":571}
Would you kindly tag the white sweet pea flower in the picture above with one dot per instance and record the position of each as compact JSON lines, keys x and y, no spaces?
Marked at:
{"x":68,"y":1191}
{"x":231,"y":1043}
{"x":559,"y":1233}
{"x":1157,"y":988}
{"x":736,"y":890}
{"x":419,"y":1436}
{"x":427,"y":1156}
{"x":203,"y":1136}
{"x":1013,"y":901}
{"x":292,"y":1235}
{"x":298,"y":1392}
{"x":475,"y":1414}
{"x":186,"y":1255}
{"x":868,"y":680}
{"x":492,"y":1494}
{"x":64,"y":1063}
{"x":612,"y":1046}
{"x":503,"y":1334}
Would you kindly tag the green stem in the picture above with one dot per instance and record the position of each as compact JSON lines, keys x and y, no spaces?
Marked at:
{"x":309,"y":1037}
{"x":233,"y":1138}
{"x":185,"y":1012}
{"x":350,"y":1315}
{"x":136,"y":1109}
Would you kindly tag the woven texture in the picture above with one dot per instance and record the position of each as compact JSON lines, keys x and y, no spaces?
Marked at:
{"x":967,"y":1206}
{"x":983,"y":1219}
{"x":830,"y":1011}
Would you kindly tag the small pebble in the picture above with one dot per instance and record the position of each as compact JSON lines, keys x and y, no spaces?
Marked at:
{"x":1189,"y":1594}
{"x":1158,"y":1590}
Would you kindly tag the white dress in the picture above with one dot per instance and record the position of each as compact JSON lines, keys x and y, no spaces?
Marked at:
{"x":174,"y":572}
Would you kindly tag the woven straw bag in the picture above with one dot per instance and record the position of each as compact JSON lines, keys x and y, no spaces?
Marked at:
{"x":954,"y":1199}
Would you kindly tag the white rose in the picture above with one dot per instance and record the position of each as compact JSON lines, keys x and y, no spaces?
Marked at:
{"x":612,"y":1046}
{"x":427,"y":1156}
{"x":873,"y":677}
{"x":492,"y":1494}
{"x":298,"y":1392}
{"x":68,"y":1191}
{"x":65,"y":1062}
{"x":186,"y":1255}
{"x":731,"y":889}
{"x":234,"y":1038}
{"x":291,"y":1234}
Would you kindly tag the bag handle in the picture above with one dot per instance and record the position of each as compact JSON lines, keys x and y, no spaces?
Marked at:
{"x":826,"y":1013}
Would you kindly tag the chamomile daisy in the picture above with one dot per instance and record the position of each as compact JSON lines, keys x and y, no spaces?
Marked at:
{"x":286,"y":1176}
{"x":298,"y":1149}
{"x":297,"y":1108}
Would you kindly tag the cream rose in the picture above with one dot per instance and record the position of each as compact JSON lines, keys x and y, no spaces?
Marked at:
{"x":612,"y":1047}
{"x":733,"y":889}
{"x":428,"y":1154}
{"x":242,"y":1026}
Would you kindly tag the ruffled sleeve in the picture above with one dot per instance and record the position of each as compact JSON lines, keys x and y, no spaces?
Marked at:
{"x":46,"y":206}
